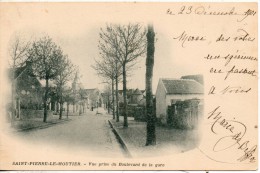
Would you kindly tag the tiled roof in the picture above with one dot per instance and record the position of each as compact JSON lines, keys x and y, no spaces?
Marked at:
{"x":182,"y":86}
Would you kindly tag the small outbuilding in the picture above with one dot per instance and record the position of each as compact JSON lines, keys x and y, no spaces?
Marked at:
{"x":169,"y":91}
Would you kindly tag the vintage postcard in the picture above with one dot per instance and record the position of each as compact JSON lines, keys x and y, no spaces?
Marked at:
{"x":129,"y":86}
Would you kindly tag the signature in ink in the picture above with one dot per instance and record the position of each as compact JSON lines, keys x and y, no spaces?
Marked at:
{"x":234,"y":136}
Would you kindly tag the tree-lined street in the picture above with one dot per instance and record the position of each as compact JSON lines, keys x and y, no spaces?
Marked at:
{"x":90,"y":132}
{"x":50,"y":76}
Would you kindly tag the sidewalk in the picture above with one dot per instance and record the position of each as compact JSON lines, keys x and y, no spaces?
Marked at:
{"x":168,"y":140}
{"x":37,"y":123}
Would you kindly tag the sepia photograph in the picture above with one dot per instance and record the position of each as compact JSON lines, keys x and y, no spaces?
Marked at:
{"x":128,"y":86}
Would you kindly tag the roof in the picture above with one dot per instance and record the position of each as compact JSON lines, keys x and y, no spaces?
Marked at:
{"x":197,"y":77}
{"x":137,"y":92}
{"x":182,"y":86}
{"x":15,"y":73}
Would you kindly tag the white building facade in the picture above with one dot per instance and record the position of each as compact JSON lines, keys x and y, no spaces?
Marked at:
{"x":171,"y":90}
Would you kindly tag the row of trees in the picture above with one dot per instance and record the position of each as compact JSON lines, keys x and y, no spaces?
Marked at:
{"x":120,"y":47}
{"x":48,"y":62}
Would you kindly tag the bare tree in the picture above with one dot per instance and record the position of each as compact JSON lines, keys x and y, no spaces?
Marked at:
{"x":126,"y":43}
{"x":65,"y":71}
{"x":150,"y":113}
{"x":18,"y":52}
{"x":105,"y":68}
{"x":46,"y":56}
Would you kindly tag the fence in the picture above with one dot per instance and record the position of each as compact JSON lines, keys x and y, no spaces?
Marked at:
{"x":185,"y":114}
{"x":136,"y":111}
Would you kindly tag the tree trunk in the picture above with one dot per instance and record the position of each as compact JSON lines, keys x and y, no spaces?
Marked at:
{"x":113,"y":98}
{"x":53,"y":105}
{"x":108,"y":105}
{"x":80,"y":107}
{"x":61,"y":110}
{"x":125,"y":97}
{"x":18,"y":108}
{"x":68,"y":110}
{"x":151,"y":120}
{"x":13,"y":106}
{"x":56,"y":107}
{"x":61,"y":105}
{"x":117,"y":108}
{"x":45,"y":100}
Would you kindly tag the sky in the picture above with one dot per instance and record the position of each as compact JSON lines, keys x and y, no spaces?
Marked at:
{"x":76,"y":30}
{"x":82,"y":49}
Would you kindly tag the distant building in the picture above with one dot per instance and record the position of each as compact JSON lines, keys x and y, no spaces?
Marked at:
{"x":134,"y":96}
{"x":169,"y":91}
{"x":94,"y":97}
{"x":78,"y":96}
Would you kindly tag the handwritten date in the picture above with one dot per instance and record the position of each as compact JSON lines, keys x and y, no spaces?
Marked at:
{"x":208,"y":11}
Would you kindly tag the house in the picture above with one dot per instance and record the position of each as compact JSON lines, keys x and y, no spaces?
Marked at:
{"x":134,"y":96}
{"x":169,"y":91}
{"x":27,"y":89}
{"x":128,"y":95}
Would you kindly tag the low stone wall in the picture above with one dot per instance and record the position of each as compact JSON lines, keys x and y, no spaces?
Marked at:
{"x":29,"y":113}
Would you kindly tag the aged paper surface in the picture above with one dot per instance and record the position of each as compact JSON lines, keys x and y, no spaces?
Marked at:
{"x":215,"y":40}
